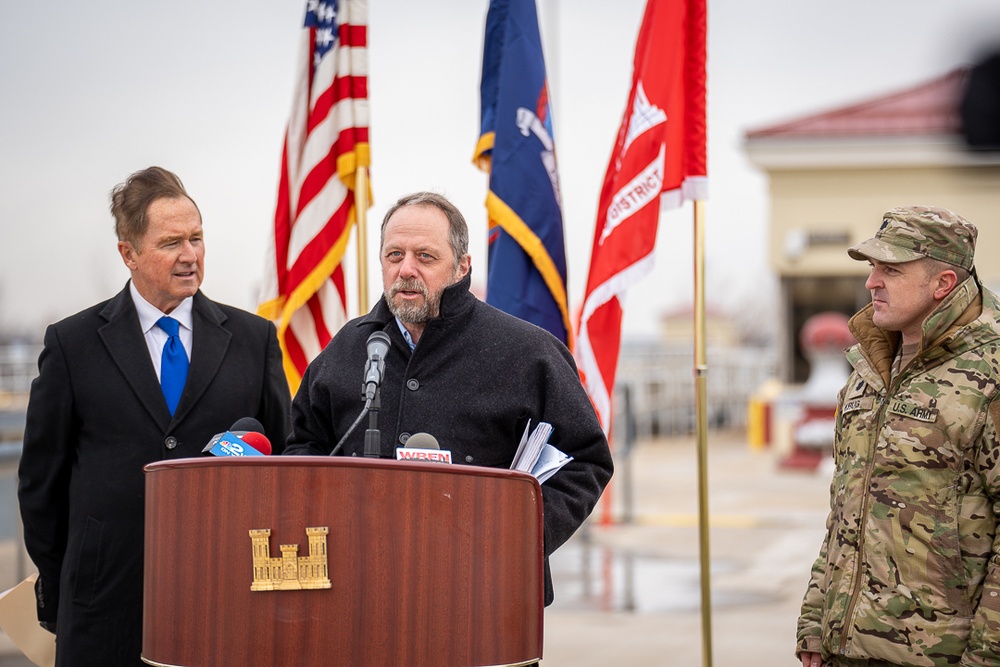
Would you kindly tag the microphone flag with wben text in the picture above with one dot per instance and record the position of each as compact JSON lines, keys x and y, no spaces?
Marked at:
{"x":660,"y":150}
{"x":326,"y":142}
{"x":526,"y":274}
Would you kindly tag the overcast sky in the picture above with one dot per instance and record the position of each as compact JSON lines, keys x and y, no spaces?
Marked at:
{"x":90,"y":92}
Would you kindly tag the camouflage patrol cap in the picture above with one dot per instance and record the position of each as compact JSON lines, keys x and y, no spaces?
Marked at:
{"x":912,"y":232}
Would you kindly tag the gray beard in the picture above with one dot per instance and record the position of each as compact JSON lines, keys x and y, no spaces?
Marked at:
{"x":412,"y":313}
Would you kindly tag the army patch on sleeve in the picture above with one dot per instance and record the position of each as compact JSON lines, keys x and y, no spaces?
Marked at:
{"x":913,"y":411}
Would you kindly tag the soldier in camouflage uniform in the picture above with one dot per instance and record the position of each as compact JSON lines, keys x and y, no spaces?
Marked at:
{"x":909,"y":572}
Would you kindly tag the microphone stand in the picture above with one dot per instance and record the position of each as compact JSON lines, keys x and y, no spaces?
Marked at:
{"x":372,"y":395}
{"x":336,"y":450}
{"x":373,"y":439}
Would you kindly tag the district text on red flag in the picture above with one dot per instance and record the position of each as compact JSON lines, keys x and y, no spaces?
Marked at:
{"x":659,"y":160}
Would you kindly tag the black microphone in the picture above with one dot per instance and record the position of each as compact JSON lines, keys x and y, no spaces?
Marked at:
{"x":247,"y":424}
{"x":378,"y":347}
{"x":244,"y":438}
{"x":423,"y":447}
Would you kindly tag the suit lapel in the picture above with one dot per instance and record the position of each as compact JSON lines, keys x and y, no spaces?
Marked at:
{"x":123,"y":338}
{"x":211,"y":341}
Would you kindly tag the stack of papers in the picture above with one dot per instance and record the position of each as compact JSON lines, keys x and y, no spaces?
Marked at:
{"x":536,"y":456}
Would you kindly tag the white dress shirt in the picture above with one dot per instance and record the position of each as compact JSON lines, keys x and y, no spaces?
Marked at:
{"x":156,"y":337}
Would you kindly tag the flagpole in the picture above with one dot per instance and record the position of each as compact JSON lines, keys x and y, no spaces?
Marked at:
{"x":701,"y":417}
{"x":361,"y":218}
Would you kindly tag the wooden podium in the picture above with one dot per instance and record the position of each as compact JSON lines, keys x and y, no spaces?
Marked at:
{"x":302,"y":560}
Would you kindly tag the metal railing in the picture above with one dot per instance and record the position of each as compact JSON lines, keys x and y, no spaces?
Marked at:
{"x":662,"y":389}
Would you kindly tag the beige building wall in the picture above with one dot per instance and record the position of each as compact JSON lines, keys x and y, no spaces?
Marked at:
{"x":817,"y":214}
{"x":829,"y":194}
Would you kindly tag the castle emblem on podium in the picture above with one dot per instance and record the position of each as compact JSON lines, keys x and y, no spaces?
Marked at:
{"x":289,"y":572}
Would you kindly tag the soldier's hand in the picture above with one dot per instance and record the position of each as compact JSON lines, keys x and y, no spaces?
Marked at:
{"x":811,"y":659}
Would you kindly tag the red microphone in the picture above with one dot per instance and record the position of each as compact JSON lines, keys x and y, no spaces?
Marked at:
{"x":249,"y":431}
{"x":258,"y":441}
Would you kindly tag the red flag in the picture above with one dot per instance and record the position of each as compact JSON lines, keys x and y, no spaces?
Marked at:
{"x":325,"y":142}
{"x":660,"y":150}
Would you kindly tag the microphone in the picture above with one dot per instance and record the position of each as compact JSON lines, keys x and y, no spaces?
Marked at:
{"x":247,"y":424}
{"x":244,"y":438}
{"x":423,"y":447}
{"x":378,"y":347}
{"x":423,"y":441}
{"x":258,"y":441}
{"x":252,"y":432}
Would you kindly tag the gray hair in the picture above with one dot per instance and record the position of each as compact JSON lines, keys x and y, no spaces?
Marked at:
{"x":458,"y":229}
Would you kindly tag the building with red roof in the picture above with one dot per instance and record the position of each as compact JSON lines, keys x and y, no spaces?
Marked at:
{"x":831,"y":176}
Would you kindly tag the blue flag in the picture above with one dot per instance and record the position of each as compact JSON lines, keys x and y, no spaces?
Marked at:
{"x":527,"y":252}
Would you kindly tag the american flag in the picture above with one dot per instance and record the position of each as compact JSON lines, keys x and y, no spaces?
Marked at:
{"x":326,"y":141}
{"x":659,"y":160}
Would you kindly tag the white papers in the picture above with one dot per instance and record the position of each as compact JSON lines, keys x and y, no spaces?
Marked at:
{"x":549,"y":461}
{"x":536,"y":456}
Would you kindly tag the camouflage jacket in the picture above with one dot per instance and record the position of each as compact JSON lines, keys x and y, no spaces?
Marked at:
{"x":909,"y":571}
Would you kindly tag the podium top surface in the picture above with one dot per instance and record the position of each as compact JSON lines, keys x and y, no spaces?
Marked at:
{"x":335,"y":462}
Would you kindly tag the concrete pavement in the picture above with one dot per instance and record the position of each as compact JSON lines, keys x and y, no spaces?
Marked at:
{"x":629,"y":594}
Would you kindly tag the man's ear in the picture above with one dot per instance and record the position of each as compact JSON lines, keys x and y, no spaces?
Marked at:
{"x":946,"y":281}
{"x":464,"y":265}
{"x":128,"y":254}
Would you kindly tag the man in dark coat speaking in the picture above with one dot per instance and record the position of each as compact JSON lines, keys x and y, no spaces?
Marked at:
{"x":457,"y":368}
{"x":121,"y":385}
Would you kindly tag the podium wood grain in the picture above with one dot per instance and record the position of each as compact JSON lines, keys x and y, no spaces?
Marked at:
{"x":430,"y":564}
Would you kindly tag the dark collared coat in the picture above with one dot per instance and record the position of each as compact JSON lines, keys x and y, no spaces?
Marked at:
{"x":96,"y":416}
{"x":475,"y":379}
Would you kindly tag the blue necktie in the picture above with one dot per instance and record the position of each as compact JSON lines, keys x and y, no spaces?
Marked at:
{"x":173,"y":363}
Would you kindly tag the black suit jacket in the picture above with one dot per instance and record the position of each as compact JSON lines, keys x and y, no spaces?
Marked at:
{"x":96,"y":416}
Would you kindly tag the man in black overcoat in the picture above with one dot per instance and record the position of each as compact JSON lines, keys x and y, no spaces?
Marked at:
{"x":472,"y":376}
{"x":97,"y":414}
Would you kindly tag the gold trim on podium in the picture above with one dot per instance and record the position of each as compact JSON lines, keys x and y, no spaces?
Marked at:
{"x":289,"y":572}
